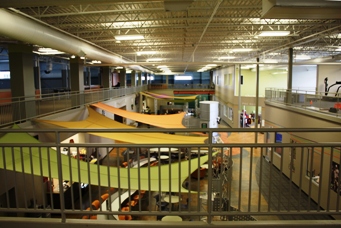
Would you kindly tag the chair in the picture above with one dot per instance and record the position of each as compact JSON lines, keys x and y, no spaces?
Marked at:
{"x":185,"y":206}
{"x":161,"y":204}
{"x":96,"y":204}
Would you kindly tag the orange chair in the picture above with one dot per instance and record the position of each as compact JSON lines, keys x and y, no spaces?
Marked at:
{"x":96,"y":204}
{"x":93,"y":217}
{"x":128,"y":217}
{"x":104,"y":197}
{"x":125,"y":209}
{"x":132,"y":203}
{"x":136,"y":197}
{"x":86,"y":216}
{"x":122,"y":217}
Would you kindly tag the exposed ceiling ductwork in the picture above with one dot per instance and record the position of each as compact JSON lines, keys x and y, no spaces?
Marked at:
{"x":304,"y":9}
{"x":31,"y":31}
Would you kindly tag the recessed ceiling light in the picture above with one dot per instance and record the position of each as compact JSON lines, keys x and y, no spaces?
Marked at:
{"x":302,"y":57}
{"x":242,"y":49}
{"x":146,"y":52}
{"x":226,"y":57}
{"x":274,"y":33}
{"x":129,"y":37}
{"x":154,"y":59}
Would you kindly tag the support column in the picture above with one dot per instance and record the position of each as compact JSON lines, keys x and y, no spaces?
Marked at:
{"x":289,"y":86}
{"x":21,"y":65}
{"x":65,"y":77}
{"x":37,"y":78}
{"x":211,"y":79}
{"x":88,"y":76}
{"x":155,"y":107}
{"x":106,"y":77}
{"x":257,"y":98}
{"x":133,"y":79}
{"x":139,"y":80}
{"x":77,"y":81}
{"x":167,"y":81}
{"x":240,"y":113}
{"x":139,"y":75}
{"x":123,"y":78}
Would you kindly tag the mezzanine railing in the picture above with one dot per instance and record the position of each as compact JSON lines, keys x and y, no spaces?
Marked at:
{"x":21,"y":109}
{"x":244,"y":183}
{"x":321,"y":102}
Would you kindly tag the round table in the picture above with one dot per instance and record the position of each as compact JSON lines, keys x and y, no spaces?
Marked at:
{"x":163,"y":149}
{"x":171,"y":199}
{"x":195,"y":151}
{"x":164,"y":157}
{"x":205,"y":166}
{"x":170,"y":218}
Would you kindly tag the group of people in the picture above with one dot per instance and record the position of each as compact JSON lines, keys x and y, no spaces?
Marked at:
{"x":247,"y":119}
{"x":335,"y":178}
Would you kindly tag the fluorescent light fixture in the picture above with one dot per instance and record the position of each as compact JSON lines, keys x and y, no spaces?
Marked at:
{"x":274,"y":33}
{"x":96,"y":61}
{"x":129,"y":37}
{"x":154,"y":59}
{"x":302,"y":57}
{"x":226,"y":57}
{"x":146,"y":52}
{"x":73,"y":56}
{"x":274,"y":53}
{"x":119,"y":67}
{"x":182,"y":77}
{"x":242,"y":49}
{"x":162,"y":66}
{"x":339,"y":49}
{"x":82,"y":57}
{"x":211,"y":65}
{"x":49,"y":51}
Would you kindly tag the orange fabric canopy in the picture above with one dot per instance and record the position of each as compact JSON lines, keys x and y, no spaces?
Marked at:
{"x":98,"y":121}
{"x":163,"y":121}
{"x":169,"y":98}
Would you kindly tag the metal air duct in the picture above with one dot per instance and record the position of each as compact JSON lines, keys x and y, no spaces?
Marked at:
{"x":31,"y":31}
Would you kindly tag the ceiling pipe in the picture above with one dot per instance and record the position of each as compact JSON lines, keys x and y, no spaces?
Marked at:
{"x":35,"y":32}
{"x":203,"y":33}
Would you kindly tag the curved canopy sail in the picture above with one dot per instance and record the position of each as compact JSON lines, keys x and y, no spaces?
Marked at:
{"x":163,"y":121}
{"x":98,"y":121}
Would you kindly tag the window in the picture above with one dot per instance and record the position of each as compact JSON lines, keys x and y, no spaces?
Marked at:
{"x":313,"y":165}
{"x":230,"y":113}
